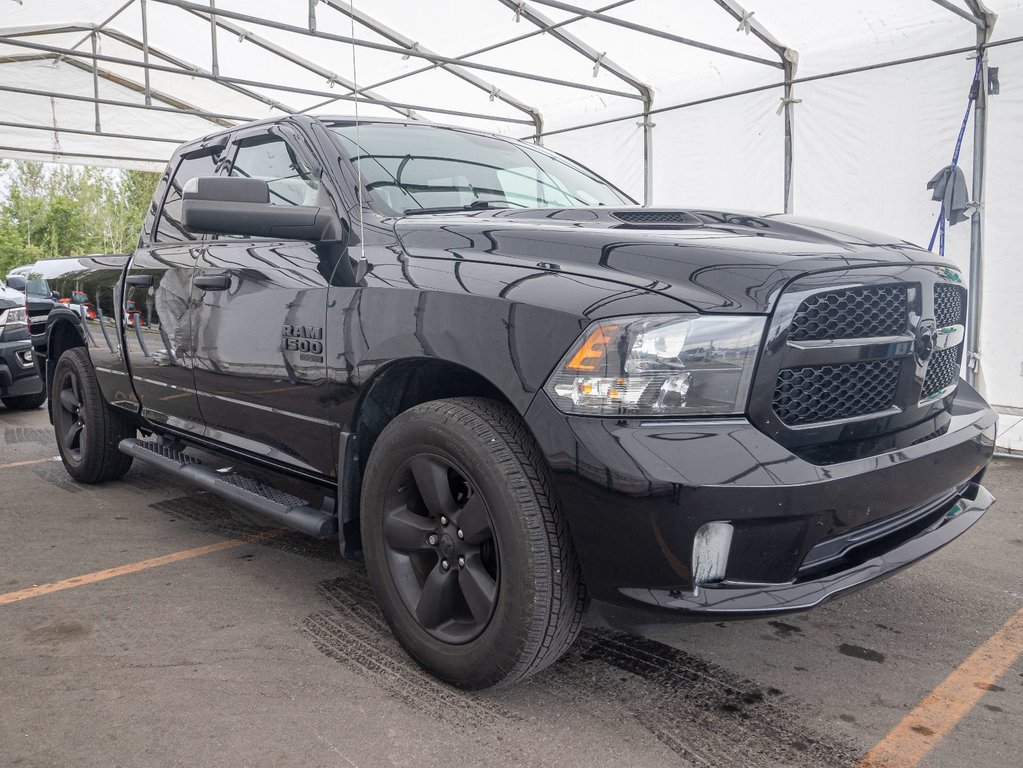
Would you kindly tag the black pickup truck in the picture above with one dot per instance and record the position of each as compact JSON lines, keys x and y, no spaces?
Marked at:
{"x":513,"y":390}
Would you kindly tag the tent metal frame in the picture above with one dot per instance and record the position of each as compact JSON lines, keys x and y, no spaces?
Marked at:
{"x":463,"y":67}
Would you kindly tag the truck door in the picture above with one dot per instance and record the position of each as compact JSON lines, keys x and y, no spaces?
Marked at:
{"x":258,"y":321}
{"x":156,"y":307}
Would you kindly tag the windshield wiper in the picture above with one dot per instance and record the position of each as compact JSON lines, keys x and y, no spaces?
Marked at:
{"x":475,"y":205}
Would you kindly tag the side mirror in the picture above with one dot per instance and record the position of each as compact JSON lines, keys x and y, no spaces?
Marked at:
{"x":235,"y":205}
{"x":17,"y":282}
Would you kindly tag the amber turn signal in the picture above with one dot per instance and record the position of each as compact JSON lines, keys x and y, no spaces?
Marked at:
{"x":592,"y":349}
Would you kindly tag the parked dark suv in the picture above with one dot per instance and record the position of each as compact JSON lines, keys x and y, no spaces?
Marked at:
{"x":20,"y":386}
{"x":517,"y":389}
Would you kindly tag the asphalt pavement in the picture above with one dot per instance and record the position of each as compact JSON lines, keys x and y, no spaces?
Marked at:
{"x":253,"y":647}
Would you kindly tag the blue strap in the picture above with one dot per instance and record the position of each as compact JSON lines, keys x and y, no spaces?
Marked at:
{"x":939,"y":225}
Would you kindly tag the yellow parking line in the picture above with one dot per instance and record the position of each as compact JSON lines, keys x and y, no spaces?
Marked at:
{"x":123,"y":570}
{"x":937,"y":714}
{"x":29,"y":463}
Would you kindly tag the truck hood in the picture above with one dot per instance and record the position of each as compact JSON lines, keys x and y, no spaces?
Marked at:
{"x":713,"y":261}
{"x":10,"y":298}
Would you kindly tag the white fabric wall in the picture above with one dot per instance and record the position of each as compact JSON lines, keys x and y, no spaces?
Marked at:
{"x":1002,"y":361}
{"x":614,"y":151}
{"x":727,"y":154}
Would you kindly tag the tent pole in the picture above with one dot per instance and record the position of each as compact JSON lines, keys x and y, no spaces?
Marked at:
{"x":373,"y":45}
{"x":95,"y":82}
{"x":460,"y":72}
{"x":600,"y":61}
{"x":648,"y":152}
{"x":214,"y":117}
{"x":790,"y":71}
{"x":975,"y":305}
{"x":615,"y":21}
{"x":145,"y":52}
{"x":183,"y":68}
{"x":215,"y":68}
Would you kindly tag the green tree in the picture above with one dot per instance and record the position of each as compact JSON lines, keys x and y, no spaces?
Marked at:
{"x":51,"y":211}
{"x":135,"y":195}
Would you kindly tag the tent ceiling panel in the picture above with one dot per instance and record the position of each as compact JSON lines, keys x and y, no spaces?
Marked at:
{"x":278,"y":59}
{"x":835,"y":36}
{"x":705,"y":25}
{"x":453,"y":93}
{"x":546,"y":54}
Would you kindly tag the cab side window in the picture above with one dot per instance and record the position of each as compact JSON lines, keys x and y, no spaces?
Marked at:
{"x":168,"y":228}
{"x":271,"y":159}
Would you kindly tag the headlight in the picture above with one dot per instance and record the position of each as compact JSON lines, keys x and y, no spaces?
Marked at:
{"x":12,"y":318}
{"x":659,"y":365}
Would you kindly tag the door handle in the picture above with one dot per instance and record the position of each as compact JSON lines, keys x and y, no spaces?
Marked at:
{"x":213,"y":282}
{"x":144,"y":281}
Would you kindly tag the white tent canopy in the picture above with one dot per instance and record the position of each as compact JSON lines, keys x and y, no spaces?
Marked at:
{"x":831,"y":110}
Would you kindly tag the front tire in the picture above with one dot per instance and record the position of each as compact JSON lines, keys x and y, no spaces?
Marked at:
{"x":87,"y":428}
{"x":466,"y":548}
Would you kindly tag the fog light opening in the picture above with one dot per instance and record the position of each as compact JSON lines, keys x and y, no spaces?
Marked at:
{"x":710,"y":552}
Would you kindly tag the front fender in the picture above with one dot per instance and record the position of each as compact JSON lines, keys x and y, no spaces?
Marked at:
{"x":509,"y":325}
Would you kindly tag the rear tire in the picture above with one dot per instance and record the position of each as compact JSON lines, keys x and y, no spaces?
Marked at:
{"x":466,"y":548}
{"x":87,"y":428}
{"x":24,"y":402}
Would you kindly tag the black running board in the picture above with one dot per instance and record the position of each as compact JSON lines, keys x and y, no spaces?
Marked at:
{"x":245,"y":491}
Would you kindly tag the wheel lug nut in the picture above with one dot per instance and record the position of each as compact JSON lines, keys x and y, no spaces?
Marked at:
{"x":433,"y":539}
{"x":444,"y":565}
{"x":443,"y":520}
{"x":461,"y":562}
{"x":460,"y":534}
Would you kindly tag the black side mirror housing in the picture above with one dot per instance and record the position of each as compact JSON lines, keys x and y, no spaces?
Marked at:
{"x":235,"y":205}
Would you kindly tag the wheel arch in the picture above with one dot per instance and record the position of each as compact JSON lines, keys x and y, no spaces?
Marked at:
{"x":393,"y":389}
{"x":63,"y":332}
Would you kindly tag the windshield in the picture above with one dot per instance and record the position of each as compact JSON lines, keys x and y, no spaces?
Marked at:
{"x":412,"y":167}
{"x":38,"y":288}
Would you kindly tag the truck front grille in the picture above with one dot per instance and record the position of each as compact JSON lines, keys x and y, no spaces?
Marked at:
{"x":856,"y":358}
{"x":855,"y":313}
{"x":942,"y":370}
{"x":38,"y":311}
{"x":949,"y":305}
{"x":828,"y":392}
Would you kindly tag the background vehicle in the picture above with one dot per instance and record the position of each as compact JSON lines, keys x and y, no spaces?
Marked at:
{"x":514,"y":389}
{"x":20,"y":387}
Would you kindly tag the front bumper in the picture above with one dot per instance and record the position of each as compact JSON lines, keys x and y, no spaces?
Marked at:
{"x":635,"y":495}
{"x":17,"y":369}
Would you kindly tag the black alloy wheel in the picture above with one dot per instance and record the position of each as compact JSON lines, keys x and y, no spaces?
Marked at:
{"x":440,"y":548}
{"x":466,"y":548}
{"x":68,"y":415}
{"x":87,"y":428}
